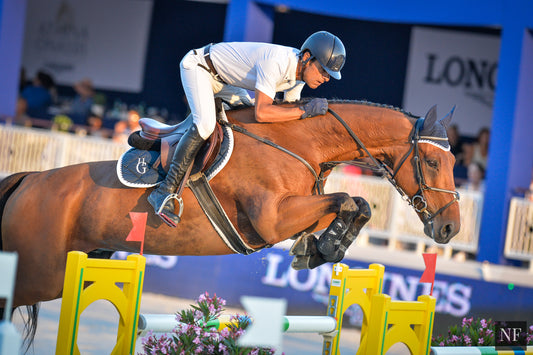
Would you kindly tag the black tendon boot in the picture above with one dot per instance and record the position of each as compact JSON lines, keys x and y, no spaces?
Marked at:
{"x":162,"y":198}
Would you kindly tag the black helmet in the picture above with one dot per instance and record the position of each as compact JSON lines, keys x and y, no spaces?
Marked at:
{"x":328,"y":50}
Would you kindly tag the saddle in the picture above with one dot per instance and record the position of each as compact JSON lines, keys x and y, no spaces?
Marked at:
{"x":147,"y":162}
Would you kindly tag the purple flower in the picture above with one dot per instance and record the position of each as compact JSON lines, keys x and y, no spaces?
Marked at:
{"x":467,"y":321}
{"x":484,"y":323}
{"x":225,"y":333}
{"x":467,"y":339}
{"x":222,"y":347}
{"x":441,"y":343}
{"x":203,"y":297}
{"x":480,"y":341}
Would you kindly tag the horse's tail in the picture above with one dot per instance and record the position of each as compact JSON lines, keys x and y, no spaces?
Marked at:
{"x":7,"y":187}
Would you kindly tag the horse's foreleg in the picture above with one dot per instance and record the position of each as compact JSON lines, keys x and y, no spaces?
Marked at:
{"x":360,"y":219}
{"x":311,"y":252}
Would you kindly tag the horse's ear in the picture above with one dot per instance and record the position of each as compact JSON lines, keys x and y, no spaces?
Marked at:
{"x":430,"y":118}
{"x":445,"y":121}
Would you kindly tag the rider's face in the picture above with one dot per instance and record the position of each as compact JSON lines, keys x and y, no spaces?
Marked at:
{"x":314,"y":75}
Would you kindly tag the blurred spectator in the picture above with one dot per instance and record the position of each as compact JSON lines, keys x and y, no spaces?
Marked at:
{"x":21,"y":118}
{"x":39,"y":95}
{"x":476,"y":177}
{"x":124,"y":128}
{"x":457,"y":147}
{"x":80,"y":109}
{"x":121,"y":132}
{"x":456,"y":142}
{"x":96,"y":129}
{"x":480,"y":149}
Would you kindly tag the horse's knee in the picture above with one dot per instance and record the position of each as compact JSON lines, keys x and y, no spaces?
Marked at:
{"x":364,"y":212}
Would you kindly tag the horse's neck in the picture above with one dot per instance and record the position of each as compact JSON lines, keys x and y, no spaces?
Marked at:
{"x":381,"y":130}
{"x":322,"y":139}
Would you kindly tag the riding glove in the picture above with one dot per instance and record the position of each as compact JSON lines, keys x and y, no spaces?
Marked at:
{"x":315,"y":107}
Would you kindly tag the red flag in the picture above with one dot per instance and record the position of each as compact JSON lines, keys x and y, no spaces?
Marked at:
{"x":430,"y":259}
{"x":139,"y":226}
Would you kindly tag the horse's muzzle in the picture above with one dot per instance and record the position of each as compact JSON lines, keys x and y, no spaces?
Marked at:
{"x":440,"y":233}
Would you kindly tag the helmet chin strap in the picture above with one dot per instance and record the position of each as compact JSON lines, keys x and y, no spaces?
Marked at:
{"x":303,"y":63}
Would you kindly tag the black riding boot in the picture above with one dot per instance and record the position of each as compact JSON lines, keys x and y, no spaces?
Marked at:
{"x":162,"y":198}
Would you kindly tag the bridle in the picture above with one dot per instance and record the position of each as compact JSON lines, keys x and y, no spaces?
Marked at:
{"x":418,"y":201}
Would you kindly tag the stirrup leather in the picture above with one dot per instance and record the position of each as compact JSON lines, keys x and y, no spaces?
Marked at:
{"x":168,"y":198}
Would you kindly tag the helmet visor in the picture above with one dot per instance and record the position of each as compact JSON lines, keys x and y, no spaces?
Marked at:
{"x":334,"y":66}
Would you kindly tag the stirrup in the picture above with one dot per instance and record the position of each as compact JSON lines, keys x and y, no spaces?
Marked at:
{"x":168,"y":198}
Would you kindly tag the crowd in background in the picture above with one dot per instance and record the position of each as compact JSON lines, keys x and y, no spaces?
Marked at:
{"x":39,"y":105}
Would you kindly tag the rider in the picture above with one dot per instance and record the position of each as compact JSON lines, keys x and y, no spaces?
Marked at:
{"x":227,"y":70}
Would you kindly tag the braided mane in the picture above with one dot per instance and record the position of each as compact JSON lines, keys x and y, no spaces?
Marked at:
{"x":373,"y":104}
{"x":336,"y":101}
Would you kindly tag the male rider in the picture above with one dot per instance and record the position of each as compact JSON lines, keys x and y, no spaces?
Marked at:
{"x":227,"y":70}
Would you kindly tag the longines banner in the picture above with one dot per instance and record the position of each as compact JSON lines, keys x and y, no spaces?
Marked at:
{"x":98,"y":39}
{"x":268,"y":274}
{"x":450,"y":68}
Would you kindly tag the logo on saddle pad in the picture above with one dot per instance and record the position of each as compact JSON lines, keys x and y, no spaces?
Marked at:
{"x":143,"y":168}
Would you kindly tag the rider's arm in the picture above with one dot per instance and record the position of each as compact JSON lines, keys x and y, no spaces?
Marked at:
{"x":266,"y":111}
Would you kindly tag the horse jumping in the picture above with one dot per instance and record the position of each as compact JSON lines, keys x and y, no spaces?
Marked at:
{"x":268,"y":195}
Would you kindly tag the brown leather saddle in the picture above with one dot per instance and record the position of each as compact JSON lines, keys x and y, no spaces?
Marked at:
{"x":155,"y":135}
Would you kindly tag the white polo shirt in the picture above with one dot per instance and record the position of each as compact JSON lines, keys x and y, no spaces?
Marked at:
{"x":267,"y":67}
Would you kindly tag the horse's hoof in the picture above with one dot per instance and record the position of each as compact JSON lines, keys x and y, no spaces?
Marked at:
{"x":307,"y":262}
{"x":305,"y":245}
{"x":364,"y":212}
{"x":329,"y":241}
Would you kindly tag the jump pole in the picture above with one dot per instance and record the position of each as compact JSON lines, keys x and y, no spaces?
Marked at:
{"x":165,"y":323}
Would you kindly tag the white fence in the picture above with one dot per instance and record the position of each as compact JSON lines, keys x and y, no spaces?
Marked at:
{"x":23,"y":149}
{"x":519,"y":238}
{"x":393,"y":221}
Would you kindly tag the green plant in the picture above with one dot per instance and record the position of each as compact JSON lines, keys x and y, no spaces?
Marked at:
{"x":194,"y":333}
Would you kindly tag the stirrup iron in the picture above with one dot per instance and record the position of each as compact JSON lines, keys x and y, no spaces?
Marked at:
{"x":168,"y":198}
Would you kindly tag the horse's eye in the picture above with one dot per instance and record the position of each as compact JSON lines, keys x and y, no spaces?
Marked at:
{"x":432,"y":163}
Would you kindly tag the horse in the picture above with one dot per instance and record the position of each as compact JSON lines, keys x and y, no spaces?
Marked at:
{"x":267,"y":194}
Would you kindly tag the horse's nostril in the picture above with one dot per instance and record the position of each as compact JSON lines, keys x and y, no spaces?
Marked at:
{"x":447,"y":230}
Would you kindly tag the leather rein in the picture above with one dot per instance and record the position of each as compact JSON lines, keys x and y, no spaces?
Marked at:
{"x":418,"y":201}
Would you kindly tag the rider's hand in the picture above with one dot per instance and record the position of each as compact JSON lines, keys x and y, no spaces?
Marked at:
{"x":315,"y":107}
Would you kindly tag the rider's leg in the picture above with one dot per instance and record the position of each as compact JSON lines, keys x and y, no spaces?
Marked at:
{"x":162,"y":198}
{"x":197,"y":84}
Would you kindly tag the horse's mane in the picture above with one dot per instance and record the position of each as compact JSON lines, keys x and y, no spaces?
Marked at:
{"x":331,"y":101}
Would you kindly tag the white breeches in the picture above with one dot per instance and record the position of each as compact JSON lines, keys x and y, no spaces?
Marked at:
{"x":201,"y":88}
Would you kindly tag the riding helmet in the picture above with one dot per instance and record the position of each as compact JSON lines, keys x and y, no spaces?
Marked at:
{"x":328,"y":50}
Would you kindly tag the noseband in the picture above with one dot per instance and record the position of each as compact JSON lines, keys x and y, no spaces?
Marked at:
{"x":418,"y":201}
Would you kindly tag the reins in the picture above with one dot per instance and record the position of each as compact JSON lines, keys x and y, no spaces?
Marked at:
{"x":318,"y":183}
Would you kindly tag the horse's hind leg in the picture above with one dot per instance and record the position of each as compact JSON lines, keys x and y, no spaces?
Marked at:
{"x":311,"y":252}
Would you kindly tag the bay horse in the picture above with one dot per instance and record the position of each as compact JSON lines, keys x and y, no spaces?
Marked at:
{"x":267,"y":194}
